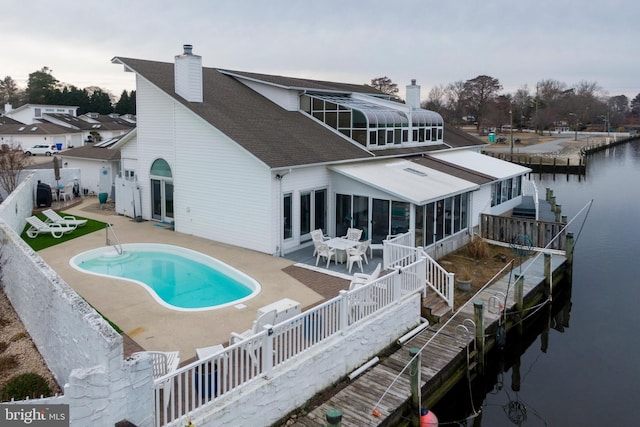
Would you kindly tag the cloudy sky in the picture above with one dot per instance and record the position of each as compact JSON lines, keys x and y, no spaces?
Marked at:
{"x":434,"y":42}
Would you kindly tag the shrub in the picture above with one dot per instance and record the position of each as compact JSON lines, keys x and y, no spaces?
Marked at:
{"x":478,"y":248}
{"x":21,"y":386}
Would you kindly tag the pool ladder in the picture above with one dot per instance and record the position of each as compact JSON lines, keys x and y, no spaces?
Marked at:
{"x":117,"y":245}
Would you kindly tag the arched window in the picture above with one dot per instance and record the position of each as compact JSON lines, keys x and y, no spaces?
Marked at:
{"x":161,"y":168}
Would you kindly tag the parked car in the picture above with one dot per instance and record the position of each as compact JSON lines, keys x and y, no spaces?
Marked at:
{"x":47,"y":150}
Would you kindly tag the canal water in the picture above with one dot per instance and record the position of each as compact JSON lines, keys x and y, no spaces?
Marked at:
{"x":585,"y":370}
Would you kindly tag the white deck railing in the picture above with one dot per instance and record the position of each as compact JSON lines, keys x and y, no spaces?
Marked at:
{"x":399,"y":252}
{"x":203,"y":381}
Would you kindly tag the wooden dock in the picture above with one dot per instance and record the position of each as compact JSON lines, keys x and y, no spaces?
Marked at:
{"x":444,"y":360}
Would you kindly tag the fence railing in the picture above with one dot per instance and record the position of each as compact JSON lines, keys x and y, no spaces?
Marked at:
{"x":399,"y":252}
{"x":179,"y":394}
{"x":510,"y":230}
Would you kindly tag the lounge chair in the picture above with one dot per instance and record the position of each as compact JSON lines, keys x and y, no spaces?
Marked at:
{"x":68,"y":220}
{"x":37,"y":226}
{"x":267,"y":318}
{"x":164,"y":363}
{"x":363,"y":279}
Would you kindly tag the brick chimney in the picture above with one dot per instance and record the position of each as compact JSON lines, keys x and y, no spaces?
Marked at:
{"x":188,"y":75}
{"x":413,"y":94}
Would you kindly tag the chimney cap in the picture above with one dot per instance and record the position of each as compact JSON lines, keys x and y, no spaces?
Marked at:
{"x":188,"y":49}
{"x":413,"y":82}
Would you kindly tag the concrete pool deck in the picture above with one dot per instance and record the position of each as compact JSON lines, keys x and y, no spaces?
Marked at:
{"x":135,"y":311}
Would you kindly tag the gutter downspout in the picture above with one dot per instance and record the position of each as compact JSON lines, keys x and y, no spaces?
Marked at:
{"x":280,"y":219}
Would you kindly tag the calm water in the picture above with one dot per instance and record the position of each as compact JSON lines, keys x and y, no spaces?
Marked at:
{"x":589,"y":374}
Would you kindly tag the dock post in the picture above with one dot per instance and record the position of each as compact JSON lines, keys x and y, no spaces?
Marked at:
{"x":478,"y":311}
{"x":334,"y":418}
{"x":519,"y":299}
{"x":558,"y":212}
{"x":414,"y":381}
{"x":569,"y":249}
{"x":548,"y":282}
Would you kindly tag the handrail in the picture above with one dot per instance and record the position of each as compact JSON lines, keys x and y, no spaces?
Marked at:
{"x":117,"y":245}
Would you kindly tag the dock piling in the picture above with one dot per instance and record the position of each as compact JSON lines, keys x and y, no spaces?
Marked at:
{"x":478,"y":310}
{"x":414,"y":375}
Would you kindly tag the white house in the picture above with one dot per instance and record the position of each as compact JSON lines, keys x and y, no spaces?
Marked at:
{"x":31,"y":113}
{"x":259,"y":161}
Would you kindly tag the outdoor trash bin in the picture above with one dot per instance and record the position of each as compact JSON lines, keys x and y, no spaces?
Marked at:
{"x":207,"y":383}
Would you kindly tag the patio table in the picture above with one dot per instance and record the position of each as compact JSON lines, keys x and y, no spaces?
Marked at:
{"x":340,"y":244}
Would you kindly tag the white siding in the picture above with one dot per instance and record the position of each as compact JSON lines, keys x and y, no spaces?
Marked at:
{"x":221,"y":192}
{"x":295,"y":182}
{"x":155,"y":136}
{"x":285,"y":98}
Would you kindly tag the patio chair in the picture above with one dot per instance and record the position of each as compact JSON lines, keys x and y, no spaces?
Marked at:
{"x":354,"y":256}
{"x":324,"y":251}
{"x":317,"y":236}
{"x":68,"y":220}
{"x":66,"y":192}
{"x":363,"y":279}
{"x":37,"y":226}
{"x":164,"y":363}
{"x":353,"y":234}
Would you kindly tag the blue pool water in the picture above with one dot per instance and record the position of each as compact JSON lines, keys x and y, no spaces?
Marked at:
{"x":176,"y":277}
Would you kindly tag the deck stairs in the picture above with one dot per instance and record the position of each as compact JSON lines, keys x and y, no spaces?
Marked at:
{"x":435,"y":308}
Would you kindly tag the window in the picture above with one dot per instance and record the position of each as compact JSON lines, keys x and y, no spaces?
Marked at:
{"x":286,"y":216}
{"x":37,"y":112}
{"x":129,"y":175}
{"x":313,"y":211}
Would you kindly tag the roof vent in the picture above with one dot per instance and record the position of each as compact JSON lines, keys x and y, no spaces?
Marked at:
{"x":188,"y":49}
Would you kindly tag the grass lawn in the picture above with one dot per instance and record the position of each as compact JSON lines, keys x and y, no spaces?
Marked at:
{"x":43,"y":241}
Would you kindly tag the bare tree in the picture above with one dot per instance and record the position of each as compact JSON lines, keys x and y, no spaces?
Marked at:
{"x":478,"y":93}
{"x":436,"y":100}
{"x":12,"y":162}
{"x":385,"y":85}
{"x":455,"y":100}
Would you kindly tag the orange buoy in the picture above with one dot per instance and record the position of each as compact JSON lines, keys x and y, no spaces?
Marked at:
{"x":428,"y":419}
{"x":376,"y":413}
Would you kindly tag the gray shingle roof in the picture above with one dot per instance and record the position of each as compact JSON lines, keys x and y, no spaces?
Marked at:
{"x":277,"y":137}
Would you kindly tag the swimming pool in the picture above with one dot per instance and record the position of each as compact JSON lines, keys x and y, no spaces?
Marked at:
{"x":176,"y":277}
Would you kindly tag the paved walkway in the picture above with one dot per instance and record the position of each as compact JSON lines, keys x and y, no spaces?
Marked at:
{"x":154,"y":327}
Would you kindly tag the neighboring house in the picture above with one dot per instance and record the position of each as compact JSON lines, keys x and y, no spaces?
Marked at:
{"x":99,"y":164}
{"x":259,"y":161}
{"x":93,"y":127}
{"x":27,"y":136}
{"x":31,"y":113}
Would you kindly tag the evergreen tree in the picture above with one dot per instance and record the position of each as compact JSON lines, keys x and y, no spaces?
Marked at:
{"x":40,"y":86}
